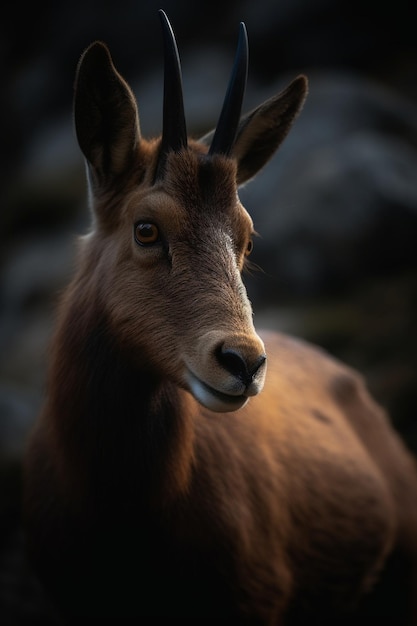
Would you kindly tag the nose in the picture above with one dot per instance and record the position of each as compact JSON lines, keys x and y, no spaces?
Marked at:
{"x":243,"y":368}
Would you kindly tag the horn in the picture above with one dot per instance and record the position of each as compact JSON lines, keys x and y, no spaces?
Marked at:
{"x":174,"y":131}
{"x":227,"y":125}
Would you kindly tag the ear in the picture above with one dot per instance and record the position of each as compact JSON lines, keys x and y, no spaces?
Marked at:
{"x":261,"y":131}
{"x":105,"y":115}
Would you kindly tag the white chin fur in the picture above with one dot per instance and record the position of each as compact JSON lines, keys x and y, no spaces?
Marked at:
{"x":212,"y":399}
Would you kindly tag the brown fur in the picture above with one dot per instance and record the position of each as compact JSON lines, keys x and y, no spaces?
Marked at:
{"x":140,"y":501}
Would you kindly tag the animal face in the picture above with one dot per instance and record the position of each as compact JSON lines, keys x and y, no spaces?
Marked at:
{"x":170,"y":236}
{"x":169,"y":270}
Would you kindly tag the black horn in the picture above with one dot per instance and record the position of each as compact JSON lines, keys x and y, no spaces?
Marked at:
{"x":226,"y":129}
{"x":174,"y":131}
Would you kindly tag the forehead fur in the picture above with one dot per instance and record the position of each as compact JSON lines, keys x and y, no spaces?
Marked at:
{"x":198,"y":180}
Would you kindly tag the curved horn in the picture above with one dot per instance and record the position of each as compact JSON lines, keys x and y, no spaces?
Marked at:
{"x":227,"y":125}
{"x":174,"y":131}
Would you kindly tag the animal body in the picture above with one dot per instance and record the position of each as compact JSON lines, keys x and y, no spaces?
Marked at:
{"x":185,"y":466}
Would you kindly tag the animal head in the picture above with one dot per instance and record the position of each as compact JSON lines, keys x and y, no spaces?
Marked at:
{"x":170,"y":236}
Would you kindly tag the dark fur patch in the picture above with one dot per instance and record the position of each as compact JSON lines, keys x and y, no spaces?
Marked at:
{"x":201,"y":182}
{"x":322,"y":417}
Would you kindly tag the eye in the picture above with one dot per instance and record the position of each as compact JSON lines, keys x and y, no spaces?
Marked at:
{"x":146,"y":233}
{"x":249,"y":247}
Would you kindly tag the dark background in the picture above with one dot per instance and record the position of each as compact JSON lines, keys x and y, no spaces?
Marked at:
{"x":336,"y":208}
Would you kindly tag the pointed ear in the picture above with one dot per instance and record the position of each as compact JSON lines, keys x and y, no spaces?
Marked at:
{"x":105,"y":115}
{"x":261,"y":131}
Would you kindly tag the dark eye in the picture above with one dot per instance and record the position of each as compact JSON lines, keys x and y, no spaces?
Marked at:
{"x":146,"y":233}
{"x":249,"y":247}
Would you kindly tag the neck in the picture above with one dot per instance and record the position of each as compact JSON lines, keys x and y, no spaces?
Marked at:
{"x":119,"y":427}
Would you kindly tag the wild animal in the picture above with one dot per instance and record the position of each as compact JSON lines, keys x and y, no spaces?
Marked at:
{"x":185,"y":465}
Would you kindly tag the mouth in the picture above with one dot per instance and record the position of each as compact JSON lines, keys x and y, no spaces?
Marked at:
{"x":211,"y":398}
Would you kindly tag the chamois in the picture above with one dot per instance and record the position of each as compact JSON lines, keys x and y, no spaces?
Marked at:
{"x":170,"y":474}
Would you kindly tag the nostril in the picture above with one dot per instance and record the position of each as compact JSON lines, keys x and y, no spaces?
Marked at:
{"x":237,"y":365}
{"x":233,"y":362}
{"x":257,"y":365}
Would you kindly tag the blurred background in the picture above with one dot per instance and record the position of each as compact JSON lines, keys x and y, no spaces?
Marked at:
{"x":336,"y":209}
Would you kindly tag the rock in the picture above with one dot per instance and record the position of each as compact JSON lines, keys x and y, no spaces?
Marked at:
{"x":338,"y":203}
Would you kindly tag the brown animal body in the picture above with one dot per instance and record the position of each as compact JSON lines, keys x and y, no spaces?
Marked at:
{"x":175,"y":471}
